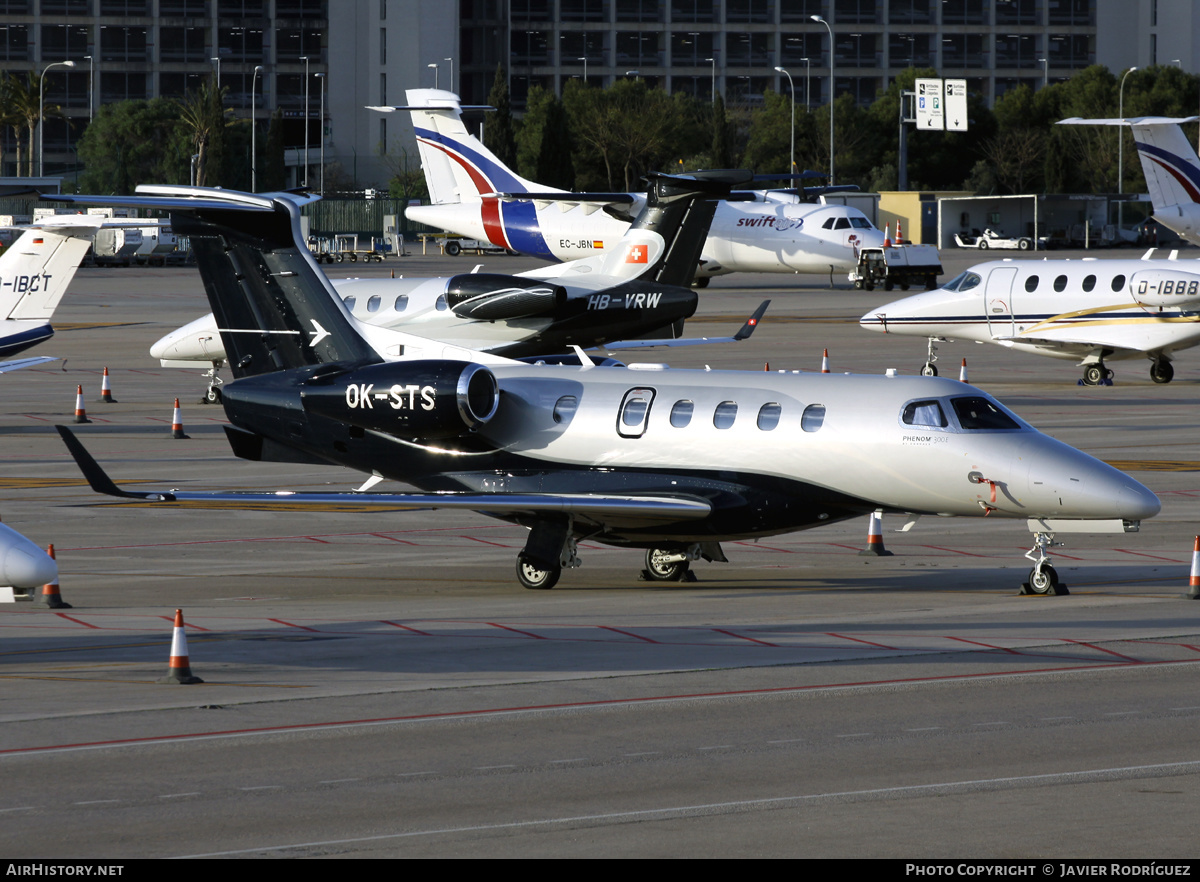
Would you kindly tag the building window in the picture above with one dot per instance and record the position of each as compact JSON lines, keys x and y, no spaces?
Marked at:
{"x":964,"y":12}
{"x":912,"y":12}
{"x":1081,"y":12}
{"x":693,"y":11}
{"x":182,"y":44}
{"x":14,"y":43}
{"x":638,"y":10}
{"x":749,"y":11}
{"x":856,"y":11}
{"x":1017,"y":12}
{"x":123,"y":44}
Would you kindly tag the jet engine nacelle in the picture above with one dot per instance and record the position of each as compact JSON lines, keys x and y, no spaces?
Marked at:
{"x":1159,"y":288}
{"x":23,"y":564}
{"x":495,"y":297}
{"x":418,"y":399}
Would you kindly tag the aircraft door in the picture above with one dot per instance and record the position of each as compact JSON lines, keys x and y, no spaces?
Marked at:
{"x":998,"y":302}
{"x":635,"y":413}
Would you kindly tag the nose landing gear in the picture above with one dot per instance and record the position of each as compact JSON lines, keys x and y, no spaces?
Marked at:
{"x":1043,"y":578}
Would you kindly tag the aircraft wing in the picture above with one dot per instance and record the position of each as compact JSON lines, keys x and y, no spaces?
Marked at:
{"x":18,"y":363}
{"x":746,"y":330}
{"x":649,"y":508}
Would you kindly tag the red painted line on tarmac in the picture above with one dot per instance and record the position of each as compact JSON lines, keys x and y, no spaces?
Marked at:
{"x":626,"y":633}
{"x":744,"y":637}
{"x":187,"y":625}
{"x":291,"y":625}
{"x":391,"y":538}
{"x":321,"y":541}
{"x":985,"y":645}
{"x":79,"y":621}
{"x":516,"y":631}
{"x":857,"y":640}
{"x":488,"y":542}
{"x":954,"y":551}
{"x":1155,"y":556}
{"x":535,"y":708}
{"x":1172,"y":643}
{"x":1102,"y":649}
{"x":406,"y":628}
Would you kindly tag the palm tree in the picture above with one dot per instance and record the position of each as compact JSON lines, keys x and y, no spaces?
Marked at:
{"x":203,"y":116}
{"x":24,"y":102}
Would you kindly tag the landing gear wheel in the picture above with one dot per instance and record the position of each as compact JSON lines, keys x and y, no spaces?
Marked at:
{"x":1161,"y":371}
{"x":904,"y":286}
{"x":212,"y":395}
{"x":888,"y":284}
{"x":1043,"y":580}
{"x":532,"y":577}
{"x":929,"y":370}
{"x":701,"y":281}
{"x":1093,"y":374}
{"x":662,"y":570}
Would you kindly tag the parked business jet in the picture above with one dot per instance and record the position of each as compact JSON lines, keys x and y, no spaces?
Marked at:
{"x":610,"y":299}
{"x":471,"y":193}
{"x":1090,"y":311}
{"x":1170,"y":165}
{"x":35,"y":271}
{"x":672,"y":461}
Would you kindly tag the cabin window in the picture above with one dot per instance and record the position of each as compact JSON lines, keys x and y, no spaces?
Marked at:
{"x":401,"y":303}
{"x":1060,"y":283}
{"x":1089,"y":283}
{"x":813,"y":417}
{"x":978,"y":412}
{"x":634,"y":411}
{"x":565,"y":408}
{"x":1118,"y":283}
{"x":440,"y":303}
{"x":725,"y":414}
{"x":681,"y":413}
{"x":1031,"y":284}
{"x":373,"y":303}
{"x":349,"y":301}
{"x":768,"y":416}
{"x":923,"y":413}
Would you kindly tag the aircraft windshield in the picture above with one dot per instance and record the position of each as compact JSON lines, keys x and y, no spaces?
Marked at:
{"x":963,"y":282}
{"x":977,"y":412}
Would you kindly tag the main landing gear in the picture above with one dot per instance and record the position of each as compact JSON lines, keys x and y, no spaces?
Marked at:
{"x":1043,"y":578}
{"x":665,"y":565}
{"x":1097,"y":375}
{"x":1161,"y":371}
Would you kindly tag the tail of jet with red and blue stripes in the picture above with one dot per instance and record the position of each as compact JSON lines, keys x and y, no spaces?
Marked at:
{"x":1169,"y":162}
{"x":461,"y":172}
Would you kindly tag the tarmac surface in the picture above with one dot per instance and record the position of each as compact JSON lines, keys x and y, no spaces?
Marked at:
{"x":380,"y":685}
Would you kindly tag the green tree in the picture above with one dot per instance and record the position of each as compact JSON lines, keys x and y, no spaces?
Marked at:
{"x":499,"y":132}
{"x":131,"y":143}
{"x":203,"y":115}
{"x":24,"y":110}
{"x":272,"y":171}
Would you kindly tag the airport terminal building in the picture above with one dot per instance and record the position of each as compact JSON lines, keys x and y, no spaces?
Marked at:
{"x":147,"y":48}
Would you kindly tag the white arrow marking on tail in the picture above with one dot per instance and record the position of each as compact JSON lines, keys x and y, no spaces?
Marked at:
{"x":319,"y":334}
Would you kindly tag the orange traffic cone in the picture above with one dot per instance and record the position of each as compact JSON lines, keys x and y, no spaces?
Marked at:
{"x":887,"y":236}
{"x":899,"y":233}
{"x":875,"y":537}
{"x":179,"y":669}
{"x":177,"y":422}
{"x":962,"y":373}
{"x":825,"y":361}
{"x":80,"y":410}
{"x":51,"y":597}
{"x":766,"y":366}
{"x":1193,"y":591}
{"x":106,"y":390}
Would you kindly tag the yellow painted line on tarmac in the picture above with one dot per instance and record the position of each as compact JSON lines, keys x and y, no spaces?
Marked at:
{"x":1155,"y":465}
{"x":153,"y":682}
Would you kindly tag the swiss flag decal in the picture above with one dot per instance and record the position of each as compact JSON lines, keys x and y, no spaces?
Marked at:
{"x":637,"y":254}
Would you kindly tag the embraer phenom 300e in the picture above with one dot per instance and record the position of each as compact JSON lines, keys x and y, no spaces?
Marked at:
{"x":672,"y":461}
{"x":1090,"y":311}
{"x":470,"y":189}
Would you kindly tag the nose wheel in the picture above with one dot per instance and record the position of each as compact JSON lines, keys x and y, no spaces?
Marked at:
{"x":929,"y":369}
{"x":1043,"y":578}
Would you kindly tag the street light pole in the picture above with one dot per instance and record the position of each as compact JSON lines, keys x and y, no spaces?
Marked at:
{"x":304,"y":58}
{"x":714,"y":78}
{"x":1045,"y":71}
{"x":830,"y":29}
{"x":42,"y":113}
{"x":321,"y":120}
{"x":807,"y":93}
{"x":1121,"y":133}
{"x":254,"y":130}
{"x":451,"y":60}
{"x":792,"y":89}
{"x":584,"y":60}
{"x":91,"y":84}
{"x":218,"y":63}
{"x":435,"y":73}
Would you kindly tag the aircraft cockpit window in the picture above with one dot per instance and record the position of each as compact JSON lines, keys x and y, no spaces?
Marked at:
{"x":1060,"y":283}
{"x":1089,"y":283}
{"x":349,"y":301}
{"x":401,"y":302}
{"x":923,"y":413}
{"x":1031,"y":284}
{"x":828,"y":225}
{"x":565,"y":408}
{"x":963,"y":282}
{"x":813,"y":417}
{"x":440,"y":303}
{"x":978,"y":412}
{"x":634,"y":410}
{"x":373,"y":303}
{"x":861,"y":223}
{"x":1118,"y":283}
{"x":681,"y":413}
{"x":768,"y":416}
{"x":842,"y":224}
{"x":725,"y":414}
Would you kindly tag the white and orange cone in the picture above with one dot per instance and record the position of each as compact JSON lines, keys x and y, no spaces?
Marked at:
{"x":179,"y":668}
{"x":106,"y":389}
{"x":177,"y":422}
{"x":1194,"y":582}
{"x":825,"y":361}
{"x":51,"y":596}
{"x":887,"y":235}
{"x":875,"y":537}
{"x":962,"y":373}
{"x":80,"y":411}
{"x":899,"y":233}
{"x":766,"y":366}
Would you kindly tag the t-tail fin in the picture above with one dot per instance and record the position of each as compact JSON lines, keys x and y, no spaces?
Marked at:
{"x":37,"y":268}
{"x":1169,"y":161}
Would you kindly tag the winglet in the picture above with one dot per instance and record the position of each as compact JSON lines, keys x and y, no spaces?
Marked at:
{"x":752,"y":322}
{"x":96,"y":477}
